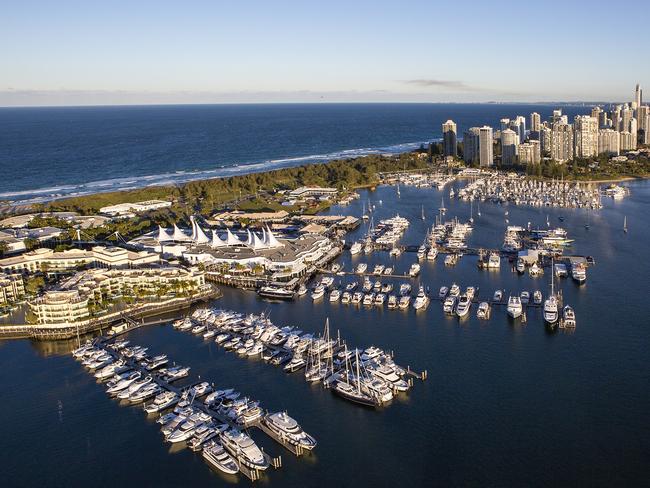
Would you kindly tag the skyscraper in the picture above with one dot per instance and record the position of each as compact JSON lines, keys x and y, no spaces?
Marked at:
{"x":449,"y":143}
{"x":638,"y":98}
{"x":627,"y":114}
{"x":521,"y":121}
{"x":505,"y":124}
{"x":545,"y":139}
{"x":471,"y":145}
{"x":585,"y":139}
{"x":535,"y":122}
{"x":643,"y":122}
{"x":529,"y":153}
{"x":486,"y":151}
{"x":616,"y":118}
{"x":609,"y":142}
{"x":596,"y":113}
{"x":562,"y":142}
{"x":509,"y":145}
{"x":627,"y":143}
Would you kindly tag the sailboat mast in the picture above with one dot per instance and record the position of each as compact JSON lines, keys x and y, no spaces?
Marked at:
{"x":358,"y":377}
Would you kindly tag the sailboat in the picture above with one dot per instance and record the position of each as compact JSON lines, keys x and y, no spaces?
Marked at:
{"x":625,"y":224}
{"x":364,"y":215}
{"x":442,"y":206}
{"x":551,"y":306}
{"x":398,"y":193}
{"x":471,"y":211}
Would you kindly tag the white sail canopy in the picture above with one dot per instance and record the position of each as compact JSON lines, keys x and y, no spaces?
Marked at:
{"x":217,"y":241}
{"x":249,"y":238}
{"x":179,"y":235}
{"x":200,"y":237}
{"x":271,"y":240}
{"x":258,"y":243}
{"x":163,"y":235}
{"x":231,"y":240}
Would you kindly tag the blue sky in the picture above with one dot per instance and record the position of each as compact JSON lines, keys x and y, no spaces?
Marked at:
{"x":90,"y":52}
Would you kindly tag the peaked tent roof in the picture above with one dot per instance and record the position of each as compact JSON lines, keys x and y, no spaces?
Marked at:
{"x":163,"y":235}
{"x":271,"y":240}
{"x":179,"y":235}
{"x":231,"y":240}
{"x":200,"y":237}
{"x":217,"y":241}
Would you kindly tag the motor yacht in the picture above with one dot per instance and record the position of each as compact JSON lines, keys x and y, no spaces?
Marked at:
{"x":335,"y":294}
{"x":133,"y":387}
{"x":414,"y":270}
{"x":421,"y":300}
{"x":318,"y":292}
{"x":579,"y":273}
{"x":404,"y":302}
{"x":432,"y":254}
{"x":405,"y":289}
{"x":498,"y":296}
{"x":302,"y":289}
{"x":216,"y":456}
{"x":276,"y":293}
{"x":346,"y":297}
{"x":388,"y":375}
{"x":483,"y":311}
{"x":520,"y":266}
{"x":454,"y":291}
{"x":380,"y":298}
{"x":494,"y":261}
{"x":442,"y":293}
{"x":157,"y":362}
{"x":124,"y":382}
{"x":356,"y":248}
{"x":244,"y":449}
{"x":357,"y":297}
{"x":449,"y":305}
{"x":464,"y":304}
{"x":296,"y":363}
{"x":145,"y":393}
{"x":537,"y":297}
{"x":162,"y":401}
{"x":184,"y":431}
{"x":361,"y":268}
{"x":568,"y":317}
{"x":551,"y":312}
{"x":392,"y":302}
{"x":525,"y":297}
{"x":201,"y":436}
{"x":368,"y":298}
{"x":515,"y":308}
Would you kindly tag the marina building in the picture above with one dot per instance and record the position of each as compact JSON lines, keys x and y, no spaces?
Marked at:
{"x":122,"y":209}
{"x":313,"y":192}
{"x":509,"y":147}
{"x":44,"y":259}
{"x":562,"y":142}
{"x":609,"y":142}
{"x":72,"y":301}
{"x":585,"y":139}
{"x":12,"y":288}
{"x":449,"y":143}
{"x":529,"y":153}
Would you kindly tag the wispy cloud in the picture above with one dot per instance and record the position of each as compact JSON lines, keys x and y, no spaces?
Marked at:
{"x":450,"y":84}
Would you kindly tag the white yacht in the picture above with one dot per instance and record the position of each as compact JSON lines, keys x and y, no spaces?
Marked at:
{"x":569,"y":317}
{"x":498,"y":296}
{"x":464,"y":304}
{"x":454,"y":291}
{"x":415,"y":270}
{"x":494,"y":261}
{"x":515,"y":308}
{"x":286,"y":427}
{"x":361,"y":268}
{"x":405,"y":289}
{"x":184,"y":431}
{"x":537,"y":297}
{"x":318,"y":292}
{"x":404,"y":302}
{"x":421,"y":300}
{"x":244,"y":449}
{"x":449,"y":305}
{"x":551,"y":312}
{"x":432,"y":254}
{"x":216,"y":456}
{"x":122,"y":382}
{"x":483,"y":311}
{"x":388,"y":374}
{"x":356,"y":248}
{"x":442,"y":293}
{"x":162,"y":401}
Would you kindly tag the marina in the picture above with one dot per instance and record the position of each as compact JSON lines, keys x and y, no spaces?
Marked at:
{"x":469,"y":350}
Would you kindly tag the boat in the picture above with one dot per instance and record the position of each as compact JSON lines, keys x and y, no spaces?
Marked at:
{"x":392,"y":302}
{"x":351,"y":286}
{"x":335,"y":294}
{"x":361,"y":268}
{"x":216,"y":456}
{"x":464,"y":304}
{"x":449,"y":305}
{"x":380,"y":298}
{"x":561,"y":270}
{"x":162,"y":401}
{"x":535,"y":270}
{"x":157,"y":362}
{"x":244,"y":449}
{"x":579,"y":273}
{"x":144,"y":393}
{"x":356,"y":248}
{"x":122,"y":382}
{"x":276,"y":293}
{"x":498,"y":296}
{"x":346,"y":297}
{"x":442,"y":293}
{"x":289,"y":430}
{"x":525,"y":297}
{"x":432,"y":254}
{"x":515,"y":308}
{"x":378,"y":270}
{"x":520,"y":266}
{"x":184,"y":431}
{"x":494,"y":261}
{"x":537,"y":297}
{"x":414,"y":270}
{"x":302,"y":289}
{"x":551,"y":309}
{"x":134,"y":387}
{"x":568,"y":317}
{"x":421,"y":300}
{"x":297,"y":362}
{"x":483,"y":311}
{"x":625,"y":224}
{"x":368,"y":298}
{"x":357,"y":297}
{"x":318,"y":292}
{"x":404,"y":302}
{"x":201,"y":436}
{"x":454,"y":291}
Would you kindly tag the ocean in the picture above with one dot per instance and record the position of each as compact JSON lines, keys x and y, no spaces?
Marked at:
{"x":504,"y":405}
{"x":48,"y":153}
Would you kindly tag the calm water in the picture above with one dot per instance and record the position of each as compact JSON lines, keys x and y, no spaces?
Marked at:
{"x":504,"y":405}
{"x":52,"y":152}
